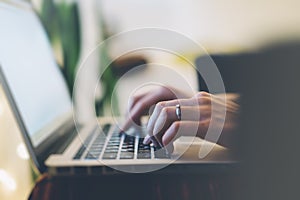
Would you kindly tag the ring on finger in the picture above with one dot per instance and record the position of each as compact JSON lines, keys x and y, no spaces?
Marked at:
{"x":178,"y":112}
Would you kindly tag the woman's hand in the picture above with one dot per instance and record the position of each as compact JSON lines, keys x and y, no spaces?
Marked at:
{"x":197,"y":113}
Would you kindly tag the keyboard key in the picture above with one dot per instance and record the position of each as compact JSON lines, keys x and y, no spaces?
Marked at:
{"x":114,"y":140}
{"x":141,"y":140}
{"x":113,"y":144}
{"x":111,"y":151}
{"x":81,"y":150}
{"x":109,"y":156}
{"x":92,"y":156}
{"x":95,"y":151}
{"x":126,"y":146}
{"x":145,"y":147}
{"x":97,"y":146}
{"x":161,"y":153}
{"x":112,"y":147}
{"x":126,"y":155}
{"x":128,"y":150}
{"x":129,"y":139}
{"x":144,"y":151}
{"x":144,"y":155}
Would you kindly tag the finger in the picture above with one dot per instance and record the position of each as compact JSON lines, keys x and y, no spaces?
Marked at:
{"x":132,"y":119}
{"x":182,"y":102}
{"x":153,"y":117}
{"x":188,"y":113}
{"x":127,"y":124}
{"x":147,"y":139}
{"x":133,"y":100}
{"x":167,"y":115}
{"x":165,"y":118}
{"x":159,"y":106}
{"x":140,"y":108}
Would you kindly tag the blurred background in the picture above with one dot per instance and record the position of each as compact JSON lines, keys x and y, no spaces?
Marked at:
{"x":77,"y":26}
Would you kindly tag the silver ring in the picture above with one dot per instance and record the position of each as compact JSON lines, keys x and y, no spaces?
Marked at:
{"x":178,"y":112}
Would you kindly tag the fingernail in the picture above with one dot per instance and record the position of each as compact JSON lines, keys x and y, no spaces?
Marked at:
{"x":146,"y":140}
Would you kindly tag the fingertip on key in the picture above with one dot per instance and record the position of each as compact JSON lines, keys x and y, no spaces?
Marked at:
{"x":147,"y":140}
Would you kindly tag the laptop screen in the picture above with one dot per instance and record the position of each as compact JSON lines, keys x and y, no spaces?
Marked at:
{"x":35,"y":81}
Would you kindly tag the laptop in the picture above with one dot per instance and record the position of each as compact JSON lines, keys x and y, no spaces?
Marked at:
{"x":39,"y":98}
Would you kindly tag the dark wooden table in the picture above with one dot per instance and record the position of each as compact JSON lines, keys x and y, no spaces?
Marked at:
{"x":137,"y":186}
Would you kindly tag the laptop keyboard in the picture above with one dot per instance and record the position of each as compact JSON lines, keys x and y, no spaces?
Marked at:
{"x":114,"y":146}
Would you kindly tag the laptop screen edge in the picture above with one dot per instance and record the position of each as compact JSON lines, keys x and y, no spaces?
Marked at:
{"x":41,"y":152}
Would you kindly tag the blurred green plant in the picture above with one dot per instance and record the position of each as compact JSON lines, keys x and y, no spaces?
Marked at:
{"x":62,"y":24}
{"x":108,"y":80}
{"x":61,"y":21}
